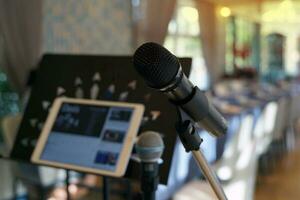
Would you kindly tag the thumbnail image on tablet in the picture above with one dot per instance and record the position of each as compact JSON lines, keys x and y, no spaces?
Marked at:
{"x":89,"y":136}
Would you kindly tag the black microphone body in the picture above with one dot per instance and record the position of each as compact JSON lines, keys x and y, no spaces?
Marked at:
{"x":162,"y":71}
{"x":149,"y":179}
{"x":149,"y":148}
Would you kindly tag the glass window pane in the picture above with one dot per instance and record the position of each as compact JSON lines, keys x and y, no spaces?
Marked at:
{"x":9,"y":100}
{"x":188,"y":21}
{"x":188,"y":46}
{"x":170,"y":43}
{"x":183,"y":40}
{"x":172,"y":27}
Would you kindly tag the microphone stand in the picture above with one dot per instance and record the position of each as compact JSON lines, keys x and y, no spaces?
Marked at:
{"x":106,"y":189}
{"x":191,"y":141}
{"x":149,"y":180}
{"x":67,"y":183}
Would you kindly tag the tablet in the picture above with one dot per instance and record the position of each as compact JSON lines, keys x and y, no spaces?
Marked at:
{"x":89,"y":136}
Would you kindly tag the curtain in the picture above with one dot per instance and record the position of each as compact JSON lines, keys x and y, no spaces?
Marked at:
{"x":152,"y":24}
{"x":21,"y":27}
{"x":212,"y":34}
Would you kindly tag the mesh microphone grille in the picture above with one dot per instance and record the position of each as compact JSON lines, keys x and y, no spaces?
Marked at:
{"x":149,"y":146}
{"x":155,"y":64}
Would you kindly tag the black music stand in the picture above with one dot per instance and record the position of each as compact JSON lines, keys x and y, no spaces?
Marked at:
{"x":76,"y":75}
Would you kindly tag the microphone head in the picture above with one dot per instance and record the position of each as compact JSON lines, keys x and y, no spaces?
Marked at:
{"x":149,"y":146}
{"x":155,"y":64}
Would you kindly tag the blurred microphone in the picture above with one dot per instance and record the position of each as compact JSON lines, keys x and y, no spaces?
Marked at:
{"x":149,"y":148}
{"x":162,"y":71}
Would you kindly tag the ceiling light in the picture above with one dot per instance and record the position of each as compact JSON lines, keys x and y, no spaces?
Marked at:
{"x":225,"y":12}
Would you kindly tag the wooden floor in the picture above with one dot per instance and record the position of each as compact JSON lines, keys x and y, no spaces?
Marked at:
{"x":284,"y":182}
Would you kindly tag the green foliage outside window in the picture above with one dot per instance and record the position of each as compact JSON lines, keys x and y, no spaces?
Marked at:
{"x":9,"y":100}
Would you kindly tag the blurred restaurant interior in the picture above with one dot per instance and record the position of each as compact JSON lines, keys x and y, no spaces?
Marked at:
{"x":243,"y":54}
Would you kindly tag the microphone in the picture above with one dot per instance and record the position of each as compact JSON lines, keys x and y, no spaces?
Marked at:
{"x":162,"y":71}
{"x":149,"y":148}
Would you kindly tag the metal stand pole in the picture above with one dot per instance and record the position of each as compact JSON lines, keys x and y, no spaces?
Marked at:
{"x":67,"y":183}
{"x":105,"y":191}
{"x":191,"y":142}
{"x":209,"y":174}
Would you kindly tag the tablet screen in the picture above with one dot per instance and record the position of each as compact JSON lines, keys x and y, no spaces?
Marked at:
{"x":88,"y":135}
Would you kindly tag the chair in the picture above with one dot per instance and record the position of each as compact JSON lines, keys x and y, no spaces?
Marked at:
{"x":292,"y":117}
{"x":263,"y":132}
{"x":282,"y":121}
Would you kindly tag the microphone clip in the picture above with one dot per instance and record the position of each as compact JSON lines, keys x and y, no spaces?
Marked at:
{"x":187,"y":133}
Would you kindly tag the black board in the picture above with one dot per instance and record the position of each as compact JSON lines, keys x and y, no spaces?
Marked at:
{"x":115,"y":76}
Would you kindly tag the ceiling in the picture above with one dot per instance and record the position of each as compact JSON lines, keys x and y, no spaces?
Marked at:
{"x":241,"y":2}
{"x":285,"y":11}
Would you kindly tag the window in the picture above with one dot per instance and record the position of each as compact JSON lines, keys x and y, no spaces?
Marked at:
{"x":9,"y":100}
{"x":242,"y":45}
{"x":183,"y":40}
